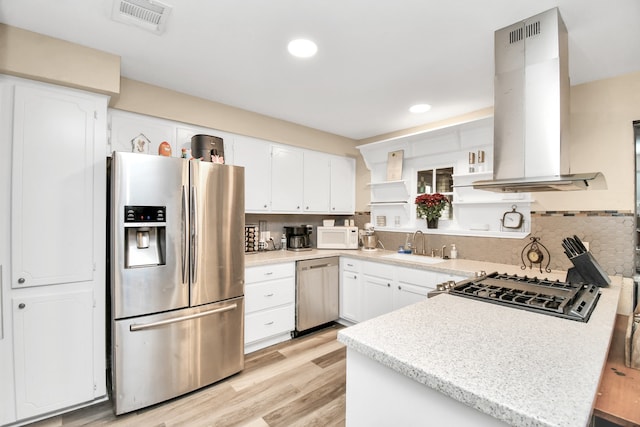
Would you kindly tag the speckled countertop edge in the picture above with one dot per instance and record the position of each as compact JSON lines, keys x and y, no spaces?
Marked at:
{"x":436,"y":343}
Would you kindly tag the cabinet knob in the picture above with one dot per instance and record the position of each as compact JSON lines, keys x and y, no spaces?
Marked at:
{"x":298,"y":207}
{"x":21,"y":280}
{"x":399,"y":287}
{"x":265,"y":206}
{"x":388,"y":285}
{"x":21,"y":305}
{"x":333,"y":209}
{"x":307,"y":208}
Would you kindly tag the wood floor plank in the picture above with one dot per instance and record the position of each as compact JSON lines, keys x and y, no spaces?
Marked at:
{"x":296,"y":383}
{"x":330,"y":415}
{"x":305,"y":404}
{"x":331,"y":358}
{"x":293,"y":361}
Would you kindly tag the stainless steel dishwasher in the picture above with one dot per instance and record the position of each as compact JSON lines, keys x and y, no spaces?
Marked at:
{"x":317,"y":289}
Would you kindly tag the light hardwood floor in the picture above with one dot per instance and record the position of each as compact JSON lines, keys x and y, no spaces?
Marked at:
{"x":297,"y":383}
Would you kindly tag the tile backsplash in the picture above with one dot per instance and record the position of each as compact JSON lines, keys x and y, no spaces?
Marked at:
{"x":611,"y":237}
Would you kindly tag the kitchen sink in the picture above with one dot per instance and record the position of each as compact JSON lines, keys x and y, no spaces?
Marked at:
{"x":415,"y":258}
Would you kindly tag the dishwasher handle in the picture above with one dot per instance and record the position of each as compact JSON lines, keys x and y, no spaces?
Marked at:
{"x":310,"y":265}
{"x":317,"y":266}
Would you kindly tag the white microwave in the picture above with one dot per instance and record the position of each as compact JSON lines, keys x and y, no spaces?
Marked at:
{"x":337,"y":237}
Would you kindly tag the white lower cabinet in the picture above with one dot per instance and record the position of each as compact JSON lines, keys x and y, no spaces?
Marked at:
{"x":46,"y":326}
{"x":350,"y":290}
{"x":269,"y":305}
{"x":377,"y":296}
{"x":386,"y":287}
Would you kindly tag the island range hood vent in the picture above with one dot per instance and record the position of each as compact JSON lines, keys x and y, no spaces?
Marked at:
{"x":531,"y":110}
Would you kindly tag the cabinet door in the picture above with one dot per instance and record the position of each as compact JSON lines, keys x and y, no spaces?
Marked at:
{"x":53,"y":351}
{"x":286,"y":179}
{"x":350,"y":296}
{"x":316,"y":182}
{"x":255,"y":156}
{"x":137,"y":133}
{"x":377,"y":297}
{"x":52,"y":205}
{"x":406,"y":294}
{"x":343,"y":185}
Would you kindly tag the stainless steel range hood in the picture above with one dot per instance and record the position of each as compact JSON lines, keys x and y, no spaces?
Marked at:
{"x":531,"y":109}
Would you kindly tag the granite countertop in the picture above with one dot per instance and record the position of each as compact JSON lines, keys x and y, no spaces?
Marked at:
{"x":524,"y":368}
{"x":463,"y":267}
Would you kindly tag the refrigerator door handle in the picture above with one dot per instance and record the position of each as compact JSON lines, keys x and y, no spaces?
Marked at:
{"x":185,"y":236}
{"x":141,"y":327}
{"x":194,"y":235}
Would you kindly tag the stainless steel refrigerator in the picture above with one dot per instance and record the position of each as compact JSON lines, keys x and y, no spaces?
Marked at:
{"x":177,"y":276}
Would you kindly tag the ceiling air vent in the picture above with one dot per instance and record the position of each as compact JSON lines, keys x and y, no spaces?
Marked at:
{"x":150,"y":15}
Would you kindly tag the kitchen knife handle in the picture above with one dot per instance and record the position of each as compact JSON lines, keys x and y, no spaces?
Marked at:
{"x":185,"y":235}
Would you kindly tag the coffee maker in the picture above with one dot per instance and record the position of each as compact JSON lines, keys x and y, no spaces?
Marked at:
{"x":298,"y":237}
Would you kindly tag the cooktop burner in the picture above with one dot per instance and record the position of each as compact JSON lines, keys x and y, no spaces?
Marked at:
{"x":561,"y":299}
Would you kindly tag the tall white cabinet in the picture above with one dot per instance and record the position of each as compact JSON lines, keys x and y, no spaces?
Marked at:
{"x":52,"y":249}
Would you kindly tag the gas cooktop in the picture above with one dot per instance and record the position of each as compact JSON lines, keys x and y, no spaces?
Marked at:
{"x":567,"y":300}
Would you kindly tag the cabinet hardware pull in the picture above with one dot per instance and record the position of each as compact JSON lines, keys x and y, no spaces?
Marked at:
{"x":268,"y":295}
{"x":268,"y":323}
{"x":388,"y":285}
{"x":21,"y":305}
{"x":21,"y":280}
{"x":268,"y":273}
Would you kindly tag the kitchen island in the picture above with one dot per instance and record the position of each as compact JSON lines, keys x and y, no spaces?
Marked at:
{"x":455,"y":361}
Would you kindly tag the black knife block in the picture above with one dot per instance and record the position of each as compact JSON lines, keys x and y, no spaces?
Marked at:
{"x":587,"y":270}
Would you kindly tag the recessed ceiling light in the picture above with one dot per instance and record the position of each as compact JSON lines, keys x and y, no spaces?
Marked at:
{"x":420,"y":108}
{"x":302,"y":48}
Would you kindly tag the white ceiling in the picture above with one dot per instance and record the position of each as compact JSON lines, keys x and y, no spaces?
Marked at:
{"x":375,"y":57}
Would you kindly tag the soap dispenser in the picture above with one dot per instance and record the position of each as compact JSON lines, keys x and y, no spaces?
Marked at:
{"x":454,"y":251}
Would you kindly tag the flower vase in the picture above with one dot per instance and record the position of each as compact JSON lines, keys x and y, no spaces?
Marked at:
{"x":432,"y":223}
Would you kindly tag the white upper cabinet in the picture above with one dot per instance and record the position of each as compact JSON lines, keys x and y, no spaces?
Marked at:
{"x":316,"y":179}
{"x":278,"y":178}
{"x":52,"y":200}
{"x":135,"y":133}
{"x":286,"y":179}
{"x":343,"y":185}
{"x":255,"y":156}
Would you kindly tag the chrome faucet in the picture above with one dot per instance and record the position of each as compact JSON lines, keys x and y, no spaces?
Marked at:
{"x":415,"y":244}
{"x":442,"y":255}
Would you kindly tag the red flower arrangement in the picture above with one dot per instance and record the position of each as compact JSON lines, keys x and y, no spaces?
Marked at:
{"x":430,"y":206}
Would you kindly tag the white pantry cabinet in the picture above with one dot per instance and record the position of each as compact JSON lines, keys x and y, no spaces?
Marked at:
{"x":53,"y":288}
